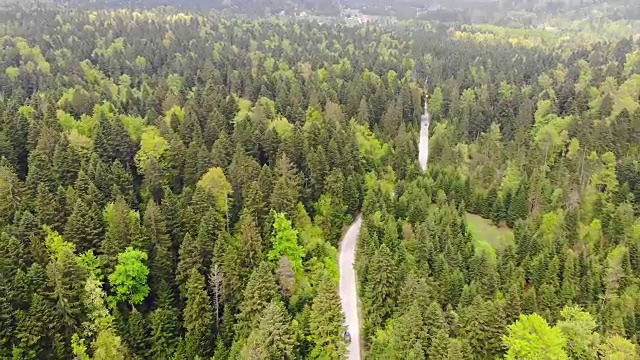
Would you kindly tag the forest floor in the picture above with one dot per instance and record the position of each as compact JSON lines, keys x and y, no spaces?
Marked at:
{"x":488,"y":236}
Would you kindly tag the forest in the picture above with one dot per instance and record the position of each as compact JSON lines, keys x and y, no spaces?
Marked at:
{"x":174,"y":185}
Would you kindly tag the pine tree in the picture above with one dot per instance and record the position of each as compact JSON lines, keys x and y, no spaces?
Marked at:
{"x":326,"y":323}
{"x":165,"y":325}
{"x":286,"y":189}
{"x":250,"y":242}
{"x":439,"y":348}
{"x":198,"y":317}
{"x":122,"y":229}
{"x":84,"y":227}
{"x":191,"y":257}
{"x":259,"y":292}
{"x":276,"y":332}
{"x":380,"y":288}
{"x":162,"y":263}
{"x":138,"y":334}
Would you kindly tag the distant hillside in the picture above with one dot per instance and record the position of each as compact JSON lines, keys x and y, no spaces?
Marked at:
{"x":443,"y":10}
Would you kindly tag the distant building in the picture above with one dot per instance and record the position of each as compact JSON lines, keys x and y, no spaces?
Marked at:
{"x":363,"y":19}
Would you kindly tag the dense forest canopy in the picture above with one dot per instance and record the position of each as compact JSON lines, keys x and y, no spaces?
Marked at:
{"x":174,"y":185}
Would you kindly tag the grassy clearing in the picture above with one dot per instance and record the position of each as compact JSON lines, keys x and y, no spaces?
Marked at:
{"x":487,"y":236}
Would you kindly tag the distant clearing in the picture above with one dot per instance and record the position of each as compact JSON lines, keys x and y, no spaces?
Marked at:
{"x":487,"y":236}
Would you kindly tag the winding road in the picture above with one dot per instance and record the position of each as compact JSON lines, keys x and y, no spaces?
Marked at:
{"x":348,"y":293}
{"x":423,"y":153}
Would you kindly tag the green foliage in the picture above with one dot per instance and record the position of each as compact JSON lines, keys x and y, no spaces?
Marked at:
{"x":152,"y":147}
{"x":285,"y":242}
{"x":199,"y":322}
{"x":180,"y":134}
{"x":129,"y":279}
{"x":326,"y":324}
{"x":215,"y":182}
{"x":532,"y":337}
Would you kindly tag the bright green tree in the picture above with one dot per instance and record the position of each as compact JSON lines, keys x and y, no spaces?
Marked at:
{"x":129,"y":280}
{"x":532,"y":338}
{"x":285,"y":242}
{"x":578,"y":327}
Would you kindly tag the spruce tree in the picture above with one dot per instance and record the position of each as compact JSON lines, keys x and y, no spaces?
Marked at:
{"x":48,"y":208}
{"x":439,"y":348}
{"x":380,"y":288}
{"x":137,"y":337}
{"x":165,"y":324}
{"x":259,"y":292}
{"x":161,"y":262}
{"x":250,"y":242}
{"x":36,"y":337}
{"x":122,"y":229}
{"x":84,"y":227}
{"x":31,"y":235}
{"x":277,"y":332}
{"x":191,"y":257}
{"x":286,"y":189}
{"x":433,"y":321}
{"x":198,"y":317}
{"x":326,"y":323}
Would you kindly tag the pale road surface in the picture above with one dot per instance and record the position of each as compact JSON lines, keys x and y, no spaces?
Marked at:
{"x":348,"y":293}
{"x":423,"y":146}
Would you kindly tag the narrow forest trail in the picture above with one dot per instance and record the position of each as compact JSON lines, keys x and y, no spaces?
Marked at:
{"x":348,"y":293}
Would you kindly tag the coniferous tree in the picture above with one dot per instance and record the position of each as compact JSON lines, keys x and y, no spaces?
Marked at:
{"x":198,"y":317}
{"x":286,"y":189}
{"x":137,"y":337}
{"x":165,"y":324}
{"x":162,"y":261}
{"x":122,"y":229}
{"x":326,"y":323}
{"x":261,"y":289}
{"x":380,"y":289}
{"x":276,"y":332}
{"x":84,"y":226}
{"x":191,"y":257}
{"x":439,"y":348}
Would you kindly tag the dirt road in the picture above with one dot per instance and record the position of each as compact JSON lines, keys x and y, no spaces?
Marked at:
{"x":423,"y":146}
{"x":348,"y":292}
